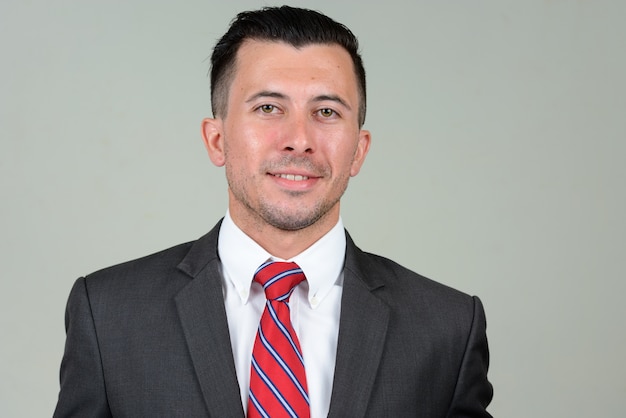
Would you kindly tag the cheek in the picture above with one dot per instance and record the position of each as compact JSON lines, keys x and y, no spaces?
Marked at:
{"x":341,"y":150}
{"x":255,"y":137}
{"x":266,"y":135}
{"x":245,"y":151}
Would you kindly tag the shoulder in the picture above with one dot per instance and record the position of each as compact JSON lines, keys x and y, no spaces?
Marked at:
{"x":159,"y":260}
{"x":174,"y":264}
{"x":404,"y":289}
{"x":158,"y":263}
{"x":378,"y":268}
{"x":136,"y":284}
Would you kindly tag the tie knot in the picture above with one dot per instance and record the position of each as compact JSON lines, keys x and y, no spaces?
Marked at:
{"x":278,"y":279}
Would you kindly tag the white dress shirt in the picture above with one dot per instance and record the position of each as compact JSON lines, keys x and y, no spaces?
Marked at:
{"x":315,"y":305}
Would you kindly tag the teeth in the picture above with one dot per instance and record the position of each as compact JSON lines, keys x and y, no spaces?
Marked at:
{"x":292,"y":177}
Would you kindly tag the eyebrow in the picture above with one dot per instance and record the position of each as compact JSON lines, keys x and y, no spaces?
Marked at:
{"x":332,"y":98}
{"x":316,"y":99}
{"x":266,"y":93}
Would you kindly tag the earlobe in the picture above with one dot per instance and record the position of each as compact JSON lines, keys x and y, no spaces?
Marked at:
{"x":213,"y":137}
{"x":365,"y":138}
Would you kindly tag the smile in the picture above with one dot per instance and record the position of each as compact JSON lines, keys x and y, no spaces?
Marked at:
{"x":292,"y":177}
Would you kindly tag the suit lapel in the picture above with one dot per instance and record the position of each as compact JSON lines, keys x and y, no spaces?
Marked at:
{"x":203,"y":317}
{"x":362,"y":331}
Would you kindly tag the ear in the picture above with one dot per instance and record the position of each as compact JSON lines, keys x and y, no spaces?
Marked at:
{"x":362,"y":148}
{"x":213,"y":137}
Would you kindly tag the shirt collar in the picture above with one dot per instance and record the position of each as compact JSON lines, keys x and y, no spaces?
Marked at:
{"x":322,"y":263}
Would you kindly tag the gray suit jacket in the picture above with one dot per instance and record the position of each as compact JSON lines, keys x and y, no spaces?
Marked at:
{"x":149,"y":338}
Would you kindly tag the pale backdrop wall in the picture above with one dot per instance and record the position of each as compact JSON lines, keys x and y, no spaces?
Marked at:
{"x":497,"y":167}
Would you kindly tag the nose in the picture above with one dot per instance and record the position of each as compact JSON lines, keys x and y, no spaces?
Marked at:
{"x":298,"y":137}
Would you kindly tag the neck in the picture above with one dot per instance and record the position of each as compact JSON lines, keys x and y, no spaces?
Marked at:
{"x":281,"y":243}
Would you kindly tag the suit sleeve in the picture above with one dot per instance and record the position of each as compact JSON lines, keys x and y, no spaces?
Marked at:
{"x":82,"y":391}
{"x":473,"y":391}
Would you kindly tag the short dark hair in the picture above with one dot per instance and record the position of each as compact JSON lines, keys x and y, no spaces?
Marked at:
{"x":294,"y":26}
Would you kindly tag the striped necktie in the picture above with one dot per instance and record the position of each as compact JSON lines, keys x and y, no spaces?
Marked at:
{"x":277,"y":380}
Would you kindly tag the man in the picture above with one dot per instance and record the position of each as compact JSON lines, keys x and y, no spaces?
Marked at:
{"x":177,"y":333}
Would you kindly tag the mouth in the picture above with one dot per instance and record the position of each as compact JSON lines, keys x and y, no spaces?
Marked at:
{"x":291,"y":177}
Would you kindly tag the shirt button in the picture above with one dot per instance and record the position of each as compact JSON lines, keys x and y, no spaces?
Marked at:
{"x":314,"y":301}
{"x":243,"y":294}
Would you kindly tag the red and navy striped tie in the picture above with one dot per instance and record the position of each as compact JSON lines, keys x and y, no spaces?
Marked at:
{"x":277,"y":380}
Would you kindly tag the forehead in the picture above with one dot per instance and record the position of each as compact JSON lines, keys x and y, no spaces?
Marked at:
{"x":260,"y":63}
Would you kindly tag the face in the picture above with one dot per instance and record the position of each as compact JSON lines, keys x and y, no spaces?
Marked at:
{"x":290,"y":139}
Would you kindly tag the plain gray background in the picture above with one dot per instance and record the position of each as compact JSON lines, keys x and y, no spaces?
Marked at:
{"x":497,"y":167}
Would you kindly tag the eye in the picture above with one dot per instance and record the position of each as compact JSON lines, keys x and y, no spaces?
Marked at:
{"x":267,"y":108}
{"x":326,"y":112}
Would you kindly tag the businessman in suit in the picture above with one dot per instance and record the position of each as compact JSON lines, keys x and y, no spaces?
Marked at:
{"x":172,"y":334}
